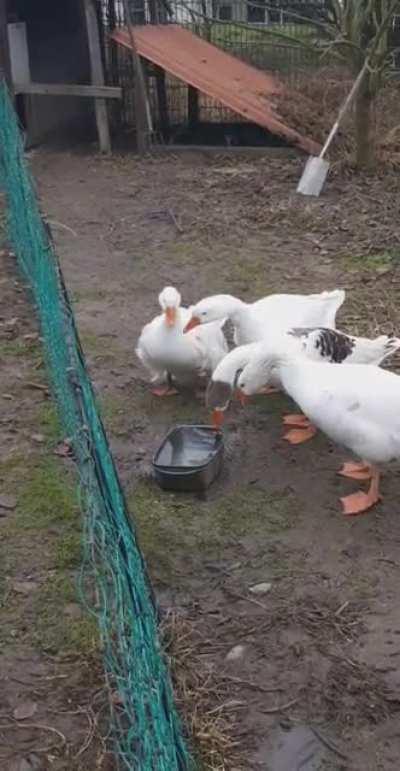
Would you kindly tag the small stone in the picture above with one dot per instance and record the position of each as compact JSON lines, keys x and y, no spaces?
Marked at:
{"x":9,"y":397}
{"x":24,"y":587}
{"x":25,"y":710}
{"x":38,"y":438}
{"x":263,"y":588}
{"x":31,"y":336}
{"x":8,"y":502}
{"x":236,"y":653}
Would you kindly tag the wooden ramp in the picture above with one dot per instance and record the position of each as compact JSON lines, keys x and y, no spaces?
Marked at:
{"x":240,"y":87}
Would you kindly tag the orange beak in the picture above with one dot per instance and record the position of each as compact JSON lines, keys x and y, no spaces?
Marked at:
{"x":242,"y":398}
{"x":217,"y":419}
{"x":194,"y":322}
{"x":170,"y":315}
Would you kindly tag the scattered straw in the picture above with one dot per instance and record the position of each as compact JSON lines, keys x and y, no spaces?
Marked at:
{"x":203,"y":697}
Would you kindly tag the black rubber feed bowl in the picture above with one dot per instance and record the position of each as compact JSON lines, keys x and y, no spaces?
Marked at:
{"x":189,"y":458}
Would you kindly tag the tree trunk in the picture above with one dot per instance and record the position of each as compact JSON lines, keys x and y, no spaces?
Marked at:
{"x":364,"y":126}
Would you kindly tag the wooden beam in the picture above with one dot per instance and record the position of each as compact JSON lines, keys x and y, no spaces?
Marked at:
{"x":96,"y":66}
{"x":66,"y":89}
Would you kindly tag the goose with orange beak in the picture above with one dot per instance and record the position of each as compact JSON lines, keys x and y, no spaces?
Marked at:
{"x":268,"y":316}
{"x":172,"y":357}
{"x":222,"y":390}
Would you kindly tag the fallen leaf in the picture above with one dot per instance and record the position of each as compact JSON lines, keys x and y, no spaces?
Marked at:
{"x":25,"y":710}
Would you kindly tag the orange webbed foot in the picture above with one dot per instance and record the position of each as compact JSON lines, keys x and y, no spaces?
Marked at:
{"x":354,"y":470}
{"x":358,"y":503}
{"x":164,"y":391}
{"x":298,"y":421}
{"x":300,"y":435}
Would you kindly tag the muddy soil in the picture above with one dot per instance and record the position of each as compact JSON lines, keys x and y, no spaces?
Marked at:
{"x":315,"y":683}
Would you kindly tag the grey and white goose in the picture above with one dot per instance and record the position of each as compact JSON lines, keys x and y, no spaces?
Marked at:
{"x":318,"y":344}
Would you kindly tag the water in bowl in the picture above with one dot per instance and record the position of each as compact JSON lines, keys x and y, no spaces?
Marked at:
{"x":187,"y":447}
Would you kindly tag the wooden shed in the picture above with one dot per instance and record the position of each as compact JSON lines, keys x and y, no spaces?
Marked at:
{"x":51,"y":53}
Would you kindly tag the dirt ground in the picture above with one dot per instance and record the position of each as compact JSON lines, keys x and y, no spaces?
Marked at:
{"x":315,"y":684}
{"x":53,"y":707}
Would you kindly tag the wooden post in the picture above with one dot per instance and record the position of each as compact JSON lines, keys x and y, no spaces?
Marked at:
{"x":5,"y":64}
{"x":193,"y":107}
{"x":158,"y":15}
{"x":142,"y":107}
{"x":162,"y":103}
{"x":97,"y":72}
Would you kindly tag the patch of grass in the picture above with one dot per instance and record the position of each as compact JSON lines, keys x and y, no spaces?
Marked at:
{"x":83,"y":636}
{"x":15,"y":348}
{"x":50,"y":423}
{"x":53,"y":631}
{"x":13,"y":466}
{"x":68,"y":550}
{"x":101,"y":345}
{"x":113,"y":409}
{"x":174,"y":528}
{"x":250,"y":511}
{"x":246,"y":272}
{"x":375,"y":262}
{"x":185,"y":253}
{"x":46,"y":497}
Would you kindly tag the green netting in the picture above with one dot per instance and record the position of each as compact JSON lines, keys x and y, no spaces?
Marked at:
{"x":147,"y":730}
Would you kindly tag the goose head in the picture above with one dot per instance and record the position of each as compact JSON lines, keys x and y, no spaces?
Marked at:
{"x":212,"y":308}
{"x":222,"y":387}
{"x":170,"y":301}
{"x":254,"y":376}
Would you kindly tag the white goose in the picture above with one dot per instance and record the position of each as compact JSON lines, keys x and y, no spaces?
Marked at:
{"x":169,"y":354}
{"x":272,"y":314}
{"x":357,"y":406}
{"x":318,"y":344}
{"x":221,"y":386}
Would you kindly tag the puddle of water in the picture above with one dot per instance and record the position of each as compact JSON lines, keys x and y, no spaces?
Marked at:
{"x":296,"y":750}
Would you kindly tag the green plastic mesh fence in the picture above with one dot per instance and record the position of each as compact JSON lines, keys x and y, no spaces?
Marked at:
{"x":147,"y":730}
